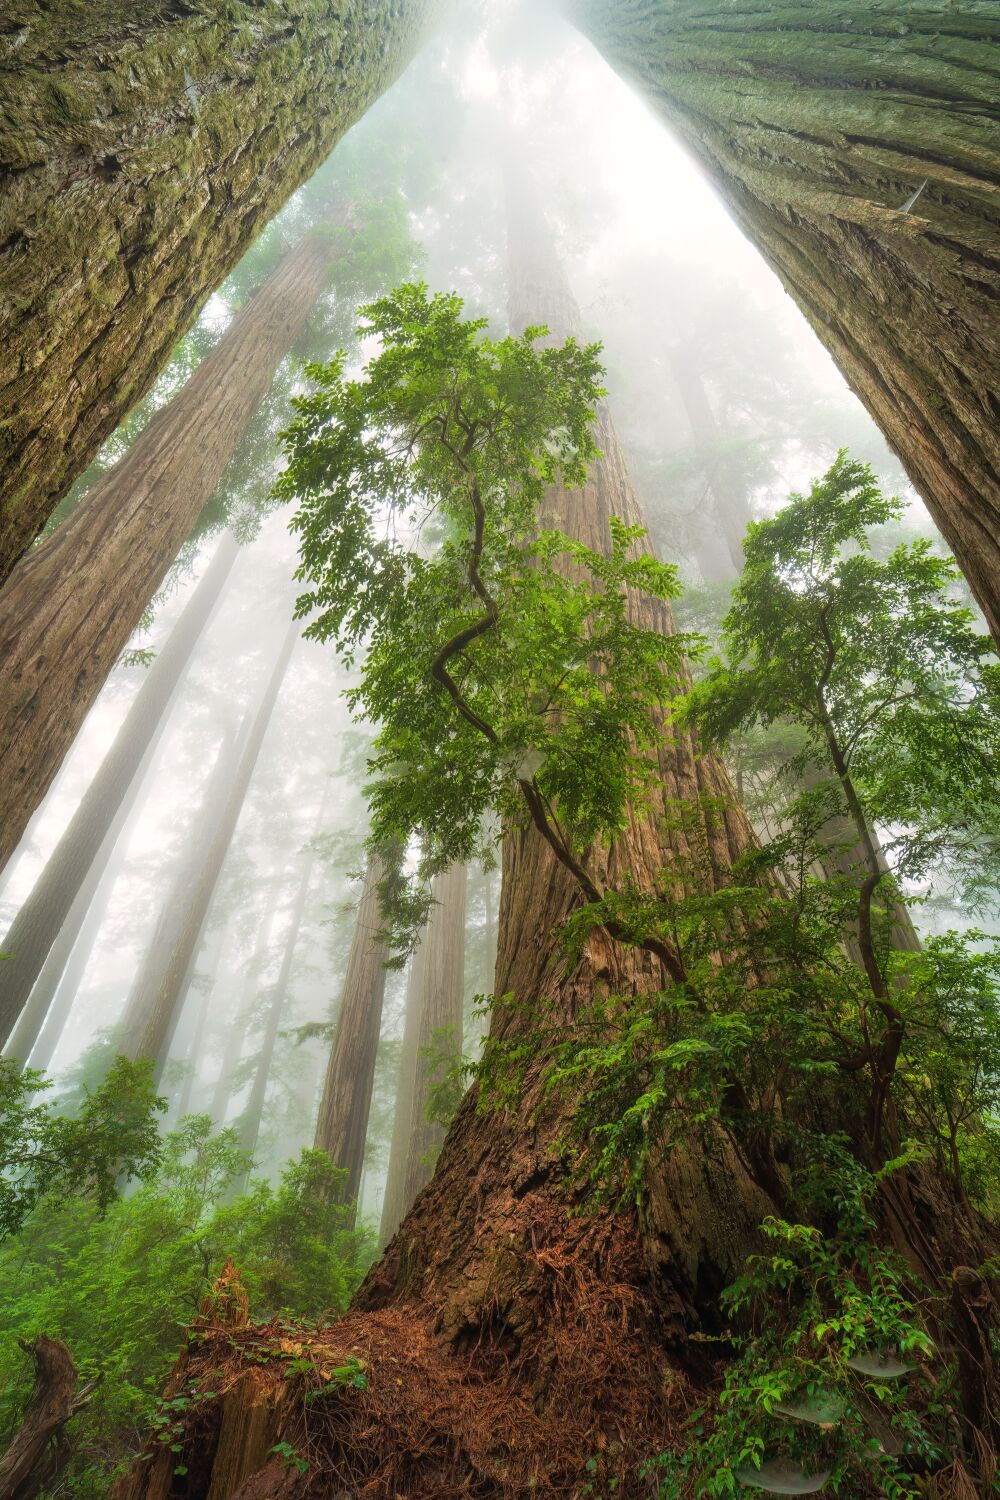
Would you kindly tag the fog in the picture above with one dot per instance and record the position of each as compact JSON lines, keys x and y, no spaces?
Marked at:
{"x":687,"y":312}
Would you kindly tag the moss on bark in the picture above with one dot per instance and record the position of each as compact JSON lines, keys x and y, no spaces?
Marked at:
{"x":818,"y":124}
{"x":143,"y":145}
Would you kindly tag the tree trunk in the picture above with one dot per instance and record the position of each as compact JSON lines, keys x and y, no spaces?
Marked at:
{"x":222,"y":1090}
{"x":253,"y":1112}
{"x":143,"y":147}
{"x":72,"y":604}
{"x":442,"y":996}
{"x":152,"y":1008}
{"x":200,"y":995}
{"x":38,"y":1449}
{"x":520,"y":1341}
{"x":86,"y":846}
{"x":731,"y":509}
{"x":342,"y":1124}
{"x":818,"y":125}
{"x":395,"y":1202}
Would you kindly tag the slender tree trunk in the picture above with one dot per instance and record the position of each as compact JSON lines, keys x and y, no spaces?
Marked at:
{"x":394,"y":1201}
{"x":442,"y":996}
{"x":253,"y":1113}
{"x":350,"y":1075}
{"x":200,"y":994}
{"x":143,"y":147}
{"x":731,"y":509}
{"x":85,"y":846}
{"x":222,"y":1091}
{"x":818,"y":125}
{"x":43,"y":1017}
{"x":152,"y":1008}
{"x":70,"y":607}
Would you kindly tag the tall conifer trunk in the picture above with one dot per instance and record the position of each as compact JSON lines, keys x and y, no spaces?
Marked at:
{"x":84,"y":845}
{"x":69,"y":608}
{"x":858,"y":148}
{"x":442,"y":992}
{"x":342,"y":1125}
{"x":152,"y":1010}
{"x":394,"y":1200}
{"x":253,"y":1112}
{"x":143,"y":147}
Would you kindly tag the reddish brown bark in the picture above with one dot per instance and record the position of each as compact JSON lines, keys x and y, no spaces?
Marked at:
{"x":143,"y":146}
{"x":72,"y":604}
{"x":342,"y":1124}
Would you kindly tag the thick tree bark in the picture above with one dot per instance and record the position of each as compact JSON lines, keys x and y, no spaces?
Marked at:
{"x":72,"y":604}
{"x":342,"y":1124}
{"x":38,"y":1449}
{"x":818,"y":125}
{"x":85,"y":845}
{"x":143,"y":146}
{"x":442,"y":993}
{"x":153,"y":1006}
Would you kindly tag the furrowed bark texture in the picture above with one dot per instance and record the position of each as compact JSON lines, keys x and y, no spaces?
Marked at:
{"x":342,"y":1124}
{"x":143,"y":146}
{"x":153,"y":1006}
{"x":46,"y":911}
{"x":818,"y":124}
{"x":72,"y":604}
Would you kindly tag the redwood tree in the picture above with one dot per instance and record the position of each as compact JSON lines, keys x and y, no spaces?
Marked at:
{"x":142,"y":149}
{"x":857,"y":147}
{"x":153,"y":1006}
{"x":342,"y":1124}
{"x":84,"y":844}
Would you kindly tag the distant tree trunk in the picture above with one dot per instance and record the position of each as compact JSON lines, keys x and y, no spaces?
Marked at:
{"x":442,"y":997}
{"x":152,"y":1008}
{"x":70,"y":607}
{"x":253,"y":1112}
{"x":200,"y":995}
{"x":84,"y":846}
{"x":142,"y":149}
{"x":394,"y":1200}
{"x":731,"y":510}
{"x":350,"y":1075}
{"x":40,"y":1024}
{"x":819,"y":125}
{"x":223,"y":1088}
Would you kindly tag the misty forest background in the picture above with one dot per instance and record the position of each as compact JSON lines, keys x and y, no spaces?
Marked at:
{"x":197,"y":978}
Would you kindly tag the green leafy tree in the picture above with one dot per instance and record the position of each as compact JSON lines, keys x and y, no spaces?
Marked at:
{"x":121,"y":1284}
{"x":111,"y":1137}
{"x":503,"y":669}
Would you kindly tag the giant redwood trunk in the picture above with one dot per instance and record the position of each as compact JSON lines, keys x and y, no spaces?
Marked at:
{"x":342,"y":1122}
{"x":85,"y":845}
{"x":143,"y":146}
{"x":509,"y":1340}
{"x":819,"y":125}
{"x":72,"y":604}
{"x":153,"y":1006}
